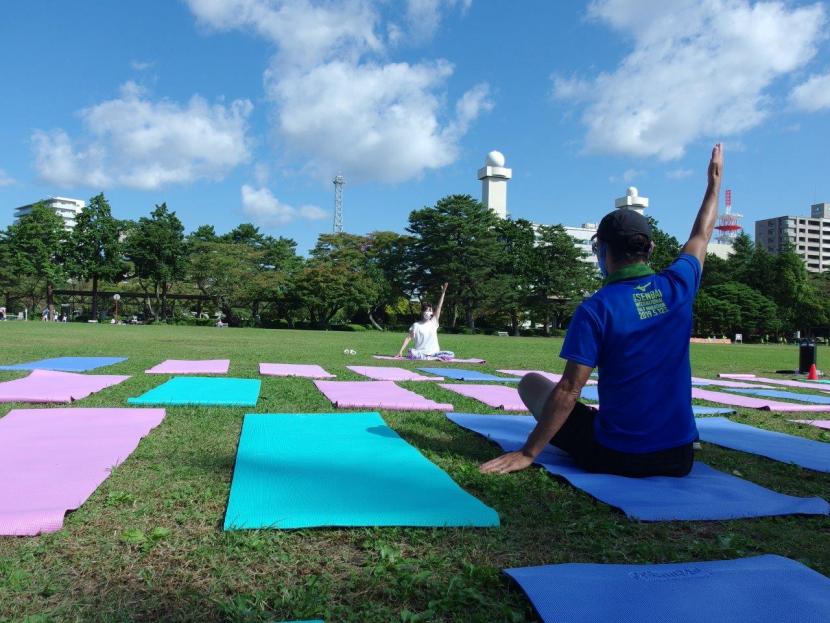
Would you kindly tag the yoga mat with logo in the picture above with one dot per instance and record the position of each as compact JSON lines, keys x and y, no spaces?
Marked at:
{"x":705,"y":494}
{"x":314,"y":470}
{"x":760,"y":589}
{"x":196,"y":391}
{"x":51,"y":460}
{"x":52,"y":386}
{"x":66,"y":364}
{"x":778,"y":446}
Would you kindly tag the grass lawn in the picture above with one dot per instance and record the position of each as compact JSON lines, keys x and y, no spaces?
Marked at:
{"x":148,"y":544}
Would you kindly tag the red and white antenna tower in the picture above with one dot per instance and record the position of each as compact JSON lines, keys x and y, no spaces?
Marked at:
{"x":729,"y":224}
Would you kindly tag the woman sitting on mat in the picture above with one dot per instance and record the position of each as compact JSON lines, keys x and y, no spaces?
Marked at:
{"x":425,"y":333}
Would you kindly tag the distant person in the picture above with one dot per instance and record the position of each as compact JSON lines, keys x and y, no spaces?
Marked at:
{"x":2,"y":313}
{"x":424,"y":333}
{"x":636,"y":331}
{"x":44,"y":317}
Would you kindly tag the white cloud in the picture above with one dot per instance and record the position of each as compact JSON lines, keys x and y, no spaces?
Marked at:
{"x":5,"y":180}
{"x":698,"y":68}
{"x":261,"y":206}
{"x":141,"y":65}
{"x":629,"y":175}
{"x":339,"y":105}
{"x":134,"y":142}
{"x":812,"y":95}
{"x":678,"y":174}
{"x":424,"y":16}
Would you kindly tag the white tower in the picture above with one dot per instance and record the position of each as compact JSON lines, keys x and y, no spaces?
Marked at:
{"x":632,"y":201}
{"x":494,"y":176}
{"x":339,"y":180}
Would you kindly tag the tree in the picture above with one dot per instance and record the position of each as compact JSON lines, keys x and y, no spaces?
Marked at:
{"x":391,"y":254}
{"x":666,"y":247}
{"x":456,"y":242}
{"x":35,"y":253}
{"x":756,"y":315}
{"x":95,"y":251}
{"x":514,"y":281}
{"x":157,"y":249}
{"x":561,"y":277}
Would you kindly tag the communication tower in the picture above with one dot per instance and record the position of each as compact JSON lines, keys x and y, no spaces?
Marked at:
{"x":339,"y":180}
{"x":729,"y":224}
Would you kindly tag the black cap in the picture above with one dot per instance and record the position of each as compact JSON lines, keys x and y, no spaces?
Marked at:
{"x":621,"y":224}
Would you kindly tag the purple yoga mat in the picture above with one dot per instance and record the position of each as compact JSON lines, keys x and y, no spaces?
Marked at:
{"x":818,"y":423}
{"x":548,"y":375}
{"x":456,"y":360}
{"x":51,"y":460}
{"x":385,"y":373}
{"x":306,"y":371}
{"x":724,"y":383}
{"x":496,"y":396}
{"x":53,"y":386}
{"x":754,"y":403}
{"x":376,"y":395}
{"x":188,"y":366}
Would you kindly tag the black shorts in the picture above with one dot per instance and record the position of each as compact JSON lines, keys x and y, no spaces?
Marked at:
{"x":576,"y":437}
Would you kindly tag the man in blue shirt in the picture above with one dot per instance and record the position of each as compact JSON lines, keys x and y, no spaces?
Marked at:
{"x":636,"y":331}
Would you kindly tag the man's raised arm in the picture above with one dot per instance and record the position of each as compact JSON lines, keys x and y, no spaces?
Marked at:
{"x":708,"y":214}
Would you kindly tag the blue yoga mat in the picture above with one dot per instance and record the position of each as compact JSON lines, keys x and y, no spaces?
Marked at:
{"x":202,"y":390}
{"x":590,"y":392}
{"x":460,"y":374}
{"x":780,"y":393}
{"x":704,"y":494}
{"x":343,"y":469}
{"x":760,"y":589}
{"x":779,"y":446}
{"x":66,"y":364}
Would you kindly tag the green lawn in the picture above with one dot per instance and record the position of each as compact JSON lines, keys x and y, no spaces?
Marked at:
{"x":148,"y":544}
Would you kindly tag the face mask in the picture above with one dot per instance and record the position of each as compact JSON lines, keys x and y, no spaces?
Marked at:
{"x":603,"y":269}
{"x":427,"y":315}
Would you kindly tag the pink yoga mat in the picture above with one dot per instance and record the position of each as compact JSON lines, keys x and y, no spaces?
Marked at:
{"x":736,"y":376}
{"x":784,"y":382}
{"x":53,"y":386}
{"x":819,"y":423}
{"x":51,"y":460}
{"x":724,"y":383}
{"x":548,"y":375}
{"x":376,"y":395}
{"x":385,"y":373}
{"x":456,"y":360}
{"x":188,"y":366}
{"x":496,"y":396}
{"x":754,"y":403}
{"x":306,"y":371}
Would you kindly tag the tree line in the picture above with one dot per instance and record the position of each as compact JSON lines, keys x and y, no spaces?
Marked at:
{"x":505,"y":274}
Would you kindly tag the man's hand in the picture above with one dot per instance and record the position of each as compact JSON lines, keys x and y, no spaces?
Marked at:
{"x":506,"y":463}
{"x":445,"y":286}
{"x":716,"y":164}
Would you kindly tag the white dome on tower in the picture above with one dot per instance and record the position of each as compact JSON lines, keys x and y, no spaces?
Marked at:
{"x":632,"y":191}
{"x":495,"y":159}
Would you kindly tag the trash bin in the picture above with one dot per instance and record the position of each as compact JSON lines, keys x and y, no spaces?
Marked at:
{"x":806,"y":355}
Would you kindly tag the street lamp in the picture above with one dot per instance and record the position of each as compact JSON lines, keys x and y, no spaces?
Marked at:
{"x":116,"y":297}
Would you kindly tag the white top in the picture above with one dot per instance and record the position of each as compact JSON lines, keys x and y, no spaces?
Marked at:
{"x":425,"y":337}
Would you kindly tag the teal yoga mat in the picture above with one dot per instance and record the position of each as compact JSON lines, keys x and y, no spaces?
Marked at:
{"x":343,"y":469}
{"x":202,"y":390}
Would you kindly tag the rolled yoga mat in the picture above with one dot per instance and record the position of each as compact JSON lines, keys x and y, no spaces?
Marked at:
{"x":753,"y":403}
{"x":199,"y":391}
{"x":315,"y":470}
{"x":705,"y":494}
{"x":191,"y":366}
{"x":388,"y":373}
{"x":306,"y":371}
{"x":52,"y":386}
{"x":376,"y":395}
{"x":51,"y":460}
{"x":778,"y":446}
{"x":760,"y":589}
{"x":66,"y":364}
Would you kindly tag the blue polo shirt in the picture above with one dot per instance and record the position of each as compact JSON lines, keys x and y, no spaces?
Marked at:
{"x":636,"y":331}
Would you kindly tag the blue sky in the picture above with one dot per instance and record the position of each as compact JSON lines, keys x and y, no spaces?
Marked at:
{"x":244,"y":110}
